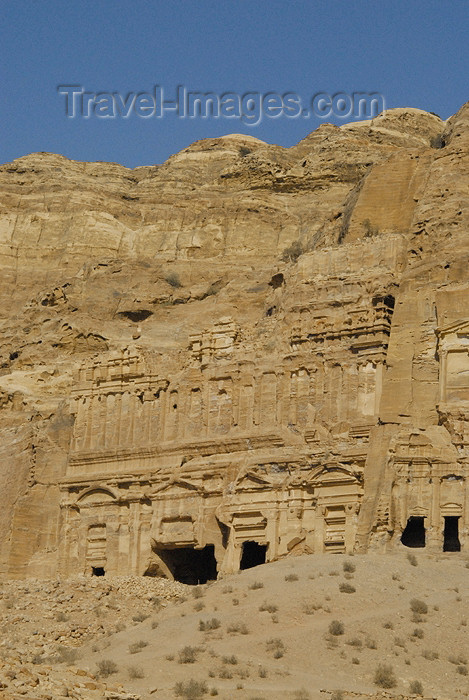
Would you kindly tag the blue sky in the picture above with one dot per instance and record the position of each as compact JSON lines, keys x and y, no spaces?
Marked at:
{"x":414,"y":52}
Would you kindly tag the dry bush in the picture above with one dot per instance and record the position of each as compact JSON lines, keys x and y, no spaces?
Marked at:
{"x":301,"y":694}
{"x":172,"y":278}
{"x":140,"y":617}
{"x":291,"y":577}
{"x":135,"y":672}
{"x":199,"y":606}
{"x":232,"y":660}
{"x":388,"y":625}
{"x":227,"y":589}
{"x":430,"y":655}
{"x":262,"y":672}
{"x":135,"y":647}
{"x":188,"y":655}
{"x":460,"y":659}
{"x":418,"y":632}
{"x":412,"y":559}
{"x":67,"y":655}
{"x":337,"y":695}
{"x":349,"y":567}
{"x":384,"y":676}
{"x":207,"y":625}
{"x":106,"y":668}
{"x":276,"y":646}
{"x":418,"y":606}
{"x":255,"y":585}
{"x":347,"y":588}
{"x":237,"y":628}
{"x":370,"y":643}
{"x":416,"y":688}
{"x":355,"y":642}
{"x":191,"y":689}
{"x":197,"y":592}
{"x":268,"y":607}
{"x":336,"y":628}
{"x":462,"y":670}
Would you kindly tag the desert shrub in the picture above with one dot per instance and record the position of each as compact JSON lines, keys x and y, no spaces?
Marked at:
{"x":418,"y":606}
{"x":225,"y":673}
{"x":462,"y":670}
{"x":291,"y":577}
{"x":191,"y":689}
{"x":255,"y":585}
{"x":399,"y":642}
{"x":200,"y":605}
{"x":207,"y":625}
{"x":412,"y":559}
{"x":140,"y":617}
{"x":430,"y":655}
{"x":135,"y":647}
{"x":276,"y":646}
{"x":349,"y":567}
{"x":293,"y":252}
{"x":235,"y":601}
{"x":262,"y":672}
{"x":238,"y":628}
{"x":370,"y":230}
{"x":418,"y":632}
{"x":227,"y":589}
{"x":370,"y":643}
{"x":416,"y":688}
{"x":61,"y":617}
{"x":188,"y":655}
{"x":106,"y":668}
{"x":336,"y":628}
{"x":232,"y":660}
{"x":334,"y":572}
{"x":337,"y":695}
{"x":347,"y":588}
{"x":388,"y":625}
{"x":135,"y":672}
{"x":120,"y":627}
{"x":213,"y":691}
{"x":301,"y":694}
{"x":172,"y":278}
{"x":355,"y":642}
{"x":384,"y":676}
{"x":268,"y":607}
{"x":197,"y":592}
{"x":355,"y":660}
{"x":460,"y":659}
{"x":274,"y":618}
{"x":67,"y":655}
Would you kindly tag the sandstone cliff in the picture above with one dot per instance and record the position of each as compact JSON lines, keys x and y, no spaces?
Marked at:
{"x":244,"y":353}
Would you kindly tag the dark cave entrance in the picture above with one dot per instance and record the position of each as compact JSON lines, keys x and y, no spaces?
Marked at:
{"x":253,"y":554}
{"x":414,"y":533}
{"x":98,"y":571}
{"x":451,"y":541}
{"x":189,"y":565}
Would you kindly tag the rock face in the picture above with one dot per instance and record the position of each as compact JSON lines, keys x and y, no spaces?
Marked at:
{"x":246,"y":353}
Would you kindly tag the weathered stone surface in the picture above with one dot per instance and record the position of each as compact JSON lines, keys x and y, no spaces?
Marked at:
{"x":245,"y":344}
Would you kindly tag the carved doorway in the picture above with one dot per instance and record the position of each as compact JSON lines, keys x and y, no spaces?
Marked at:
{"x":451,"y":541}
{"x":253,"y":554}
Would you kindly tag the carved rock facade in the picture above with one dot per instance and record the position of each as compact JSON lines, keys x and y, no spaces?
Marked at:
{"x":228,"y":405}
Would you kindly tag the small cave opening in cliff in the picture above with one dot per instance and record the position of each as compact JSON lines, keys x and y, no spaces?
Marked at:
{"x":98,"y":571}
{"x":253,"y":554}
{"x":191,"y":566}
{"x":451,"y":541}
{"x":414,"y":533}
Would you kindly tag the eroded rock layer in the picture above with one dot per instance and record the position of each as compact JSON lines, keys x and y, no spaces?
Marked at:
{"x":246,"y":353}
